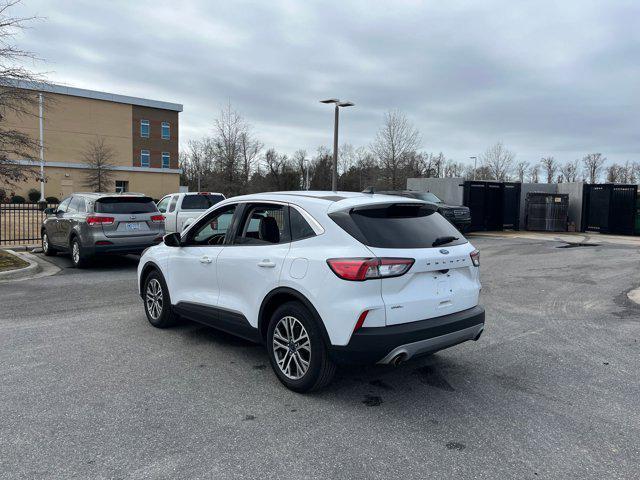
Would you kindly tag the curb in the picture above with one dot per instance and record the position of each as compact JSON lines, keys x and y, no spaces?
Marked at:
{"x":29,"y":270}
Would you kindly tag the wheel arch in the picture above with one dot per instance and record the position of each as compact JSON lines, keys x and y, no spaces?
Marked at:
{"x":146,"y":270}
{"x":277,"y":297}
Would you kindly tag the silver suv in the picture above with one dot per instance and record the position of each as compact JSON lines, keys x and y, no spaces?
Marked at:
{"x":89,"y":224}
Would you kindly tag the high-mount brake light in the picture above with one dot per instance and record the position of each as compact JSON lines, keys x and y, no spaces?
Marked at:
{"x":97,"y":221}
{"x":360,"y":269}
{"x":475,"y":258}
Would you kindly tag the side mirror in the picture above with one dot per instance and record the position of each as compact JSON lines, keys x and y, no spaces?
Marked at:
{"x":49,"y":211}
{"x":172,"y":239}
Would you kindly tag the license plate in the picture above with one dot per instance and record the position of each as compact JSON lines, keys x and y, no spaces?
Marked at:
{"x":133,"y":226}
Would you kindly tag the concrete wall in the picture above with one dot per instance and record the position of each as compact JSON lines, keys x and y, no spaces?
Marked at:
{"x":575,"y":202}
{"x":447,"y":189}
{"x":532,"y":187}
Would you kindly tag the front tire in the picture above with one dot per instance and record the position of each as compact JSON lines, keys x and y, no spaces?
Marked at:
{"x":297,"y":350}
{"x":157,"y":303}
{"x":79,"y":258}
{"x":47,"y":249}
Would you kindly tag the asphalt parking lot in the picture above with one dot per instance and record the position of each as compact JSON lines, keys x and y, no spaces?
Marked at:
{"x":90,"y":390}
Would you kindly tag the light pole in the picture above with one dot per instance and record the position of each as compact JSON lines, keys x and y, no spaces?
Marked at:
{"x":334,"y":173}
{"x":41,"y":118}
{"x":475,"y":161}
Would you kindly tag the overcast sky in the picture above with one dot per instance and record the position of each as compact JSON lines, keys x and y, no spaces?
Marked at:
{"x":555,"y":78}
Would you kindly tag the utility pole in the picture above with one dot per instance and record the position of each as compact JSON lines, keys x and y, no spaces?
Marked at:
{"x":338,"y":104}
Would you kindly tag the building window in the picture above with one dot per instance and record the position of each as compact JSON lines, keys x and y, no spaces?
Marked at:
{"x":166,"y":159}
{"x":144,"y":158}
{"x":166,"y":131}
{"x":122,"y":186}
{"x":144,"y":128}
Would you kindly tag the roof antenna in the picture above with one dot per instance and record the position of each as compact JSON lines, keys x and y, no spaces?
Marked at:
{"x":369,"y":190}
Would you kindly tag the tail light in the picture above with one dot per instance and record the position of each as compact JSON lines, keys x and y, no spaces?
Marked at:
{"x":475,"y":258}
{"x":360,"y":269}
{"x":100,"y":220}
{"x":157,"y":218}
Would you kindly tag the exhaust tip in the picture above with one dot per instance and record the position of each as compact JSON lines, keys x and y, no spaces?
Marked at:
{"x":398,"y":359}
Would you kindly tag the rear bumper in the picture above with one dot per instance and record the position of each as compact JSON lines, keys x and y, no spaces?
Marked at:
{"x":383,"y":344}
{"x":121,"y":248}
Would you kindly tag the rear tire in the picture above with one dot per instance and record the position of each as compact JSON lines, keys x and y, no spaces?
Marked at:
{"x":157,"y":303}
{"x":297,"y":349}
{"x":47,"y":249}
{"x":79,"y":258}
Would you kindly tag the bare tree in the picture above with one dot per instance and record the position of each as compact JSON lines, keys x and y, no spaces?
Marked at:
{"x":498,"y":161}
{"x":228,"y":130}
{"x":550,"y":166}
{"x":453,"y":169}
{"x":301,"y":163}
{"x":570,"y":170}
{"x":534,"y":173}
{"x":249,"y":151}
{"x":98,"y":161}
{"x":615,"y":173}
{"x":394,"y":143}
{"x":521,"y":170}
{"x":14,"y":101}
{"x":593,"y":163}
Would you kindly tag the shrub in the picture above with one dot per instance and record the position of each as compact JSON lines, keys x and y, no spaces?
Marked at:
{"x":3,"y":195}
{"x":34,"y":195}
{"x":52,"y":200}
{"x":17,"y":199}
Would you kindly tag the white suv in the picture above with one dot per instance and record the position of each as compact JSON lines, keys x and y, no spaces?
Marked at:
{"x":320,"y":278}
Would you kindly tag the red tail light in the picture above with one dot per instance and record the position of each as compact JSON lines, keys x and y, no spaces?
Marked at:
{"x":157,"y":218}
{"x":360,"y":269}
{"x":361,"y":319}
{"x":475,"y":258}
{"x":100,"y":220}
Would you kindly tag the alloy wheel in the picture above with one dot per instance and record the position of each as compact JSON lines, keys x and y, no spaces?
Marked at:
{"x":292,"y":347}
{"x":154,"y":298}
{"x":75,"y":252}
{"x":45,"y":243}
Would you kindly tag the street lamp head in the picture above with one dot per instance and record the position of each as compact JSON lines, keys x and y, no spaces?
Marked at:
{"x":346,"y":104}
{"x":330,"y":100}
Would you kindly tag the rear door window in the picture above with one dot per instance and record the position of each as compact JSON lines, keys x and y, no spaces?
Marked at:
{"x":263,"y":225}
{"x":128,"y":205}
{"x":398,"y":226}
{"x":200,"y":201}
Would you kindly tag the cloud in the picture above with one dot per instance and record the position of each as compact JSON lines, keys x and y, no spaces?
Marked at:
{"x":546,"y":78}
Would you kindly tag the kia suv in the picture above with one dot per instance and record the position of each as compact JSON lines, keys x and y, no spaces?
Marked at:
{"x":319,"y":278}
{"x":90,"y":224}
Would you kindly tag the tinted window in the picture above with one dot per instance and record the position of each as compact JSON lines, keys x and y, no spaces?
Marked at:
{"x":174,"y":200}
{"x":129,"y":205}
{"x":399,"y":226}
{"x":213,"y":231}
{"x":200,"y":202}
{"x":263,"y":225}
{"x":299,"y":227}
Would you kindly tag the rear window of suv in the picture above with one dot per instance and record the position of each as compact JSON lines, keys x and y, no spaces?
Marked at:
{"x":200,"y":202}
{"x":398,"y":226}
{"x":131,"y":205}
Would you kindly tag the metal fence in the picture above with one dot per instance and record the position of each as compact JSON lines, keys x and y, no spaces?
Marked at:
{"x":20,"y":223}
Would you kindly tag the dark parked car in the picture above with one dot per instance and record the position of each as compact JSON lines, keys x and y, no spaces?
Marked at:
{"x":458,"y":215}
{"x":88,"y":224}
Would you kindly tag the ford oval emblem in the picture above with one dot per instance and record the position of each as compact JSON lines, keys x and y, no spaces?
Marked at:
{"x":444,"y":251}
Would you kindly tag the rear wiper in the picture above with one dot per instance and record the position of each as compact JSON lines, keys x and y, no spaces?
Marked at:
{"x":442,"y":240}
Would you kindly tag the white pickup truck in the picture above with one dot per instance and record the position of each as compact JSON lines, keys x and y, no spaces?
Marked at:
{"x":177,"y":208}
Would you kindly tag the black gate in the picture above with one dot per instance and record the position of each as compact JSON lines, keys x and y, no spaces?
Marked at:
{"x":609,"y":208}
{"x":493,"y":205}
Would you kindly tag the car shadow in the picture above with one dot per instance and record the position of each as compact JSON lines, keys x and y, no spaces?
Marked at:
{"x":100,"y":263}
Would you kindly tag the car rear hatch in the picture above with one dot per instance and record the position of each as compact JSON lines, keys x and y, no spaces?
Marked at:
{"x":442,"y":279}
{"x":133,"y":216}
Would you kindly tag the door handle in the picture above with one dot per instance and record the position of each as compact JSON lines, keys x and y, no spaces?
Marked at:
{"x":206,"y":259}
{"x":266,"y":263}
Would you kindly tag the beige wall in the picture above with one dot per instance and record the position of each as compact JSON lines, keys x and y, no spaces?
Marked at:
{"x":71,"y":122}
{"x":64,"y":181}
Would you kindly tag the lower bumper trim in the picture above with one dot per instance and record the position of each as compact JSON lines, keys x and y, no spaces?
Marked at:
{"x":433,"y":344}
